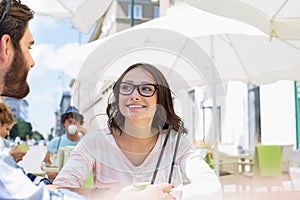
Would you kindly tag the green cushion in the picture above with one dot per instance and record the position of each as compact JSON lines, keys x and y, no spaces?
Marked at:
{"x":269,"y":160}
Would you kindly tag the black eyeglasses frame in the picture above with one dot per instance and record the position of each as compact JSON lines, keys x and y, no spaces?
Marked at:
{"x":138,"y":88}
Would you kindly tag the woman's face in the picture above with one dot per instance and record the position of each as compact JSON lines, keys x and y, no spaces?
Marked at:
{"x":5,"y":129}
{"x":135,"y":107}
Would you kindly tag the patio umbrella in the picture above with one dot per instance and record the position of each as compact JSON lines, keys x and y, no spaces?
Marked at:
{"x":197,"y":54}
{"x":239,"y":51}
{"x":82,"y":13}
{"x":277,"y":18}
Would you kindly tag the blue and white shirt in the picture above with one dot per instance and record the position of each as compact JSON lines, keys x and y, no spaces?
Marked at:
{"x":14,"y":184}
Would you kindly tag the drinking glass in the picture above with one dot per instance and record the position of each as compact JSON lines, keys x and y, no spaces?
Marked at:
{"x":176,"y":181}
{"x":140,"y":179}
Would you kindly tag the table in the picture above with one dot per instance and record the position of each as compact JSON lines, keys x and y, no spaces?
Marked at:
{"x":237,"y":161}
{"x":47,"y":169}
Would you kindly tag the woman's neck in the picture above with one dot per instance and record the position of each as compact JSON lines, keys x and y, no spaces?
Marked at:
{"x":136,"y":149}
{"x":136,"y":140}
{"x":139,"y":131}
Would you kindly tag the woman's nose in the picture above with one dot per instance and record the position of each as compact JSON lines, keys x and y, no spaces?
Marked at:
{"x":135,"y":95}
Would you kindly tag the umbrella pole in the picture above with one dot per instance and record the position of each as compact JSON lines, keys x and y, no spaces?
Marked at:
{"x":215,"y":131}
{"x":297,"y":115}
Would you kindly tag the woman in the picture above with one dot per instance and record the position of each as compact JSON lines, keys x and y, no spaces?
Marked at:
{"x":137,"y":141}
{"x":7,"y":121}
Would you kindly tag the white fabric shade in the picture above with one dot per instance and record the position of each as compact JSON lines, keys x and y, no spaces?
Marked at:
{"x":239,"y":51}
{"x":277,"y":18}
{"x":82,"y":13}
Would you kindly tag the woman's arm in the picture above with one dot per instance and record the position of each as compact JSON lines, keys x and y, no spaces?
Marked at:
{"x":204,"y":183}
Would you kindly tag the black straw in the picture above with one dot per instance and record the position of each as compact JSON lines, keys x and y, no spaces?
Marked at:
{"x":174,"y":156}
{"x":161,"y":154}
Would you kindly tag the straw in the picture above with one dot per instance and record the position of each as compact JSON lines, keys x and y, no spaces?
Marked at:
{"x":161,"y":154}
{"x":174,"y":156}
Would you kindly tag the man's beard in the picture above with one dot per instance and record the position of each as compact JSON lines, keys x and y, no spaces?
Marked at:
{"x":15,"y":84}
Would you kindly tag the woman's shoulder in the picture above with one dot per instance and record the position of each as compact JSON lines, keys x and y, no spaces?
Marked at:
{"x":98,"y":138}
{"x":98,"y":134}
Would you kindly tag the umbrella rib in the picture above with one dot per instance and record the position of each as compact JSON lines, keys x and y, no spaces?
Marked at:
{"x":292,"y":45}
{"x":230,"y":43}
{"x":278,"y":11}
{"x":179,"y":53}
{"x":271,"y":24}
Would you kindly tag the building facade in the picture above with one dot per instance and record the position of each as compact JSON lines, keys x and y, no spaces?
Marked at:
{"x":64,"y":104}
{"x":19,"y":107}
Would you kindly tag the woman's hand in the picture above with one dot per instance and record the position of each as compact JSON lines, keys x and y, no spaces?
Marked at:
{"x":152,"y":192}
{"x":17,"y":153}
{"x":51,"y":175}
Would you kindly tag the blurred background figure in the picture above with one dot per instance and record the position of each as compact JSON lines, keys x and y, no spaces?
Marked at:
{"x":71,"y":120}
{"x":7,"y":121}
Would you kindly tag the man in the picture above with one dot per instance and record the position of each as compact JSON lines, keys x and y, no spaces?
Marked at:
{"x":15,"y":62}
{"x":71,"y":120}
{"x":16,"y":41}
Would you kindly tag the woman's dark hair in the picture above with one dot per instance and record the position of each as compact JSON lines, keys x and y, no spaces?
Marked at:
{"x":164,"y":115}
{"x":15,"y":22}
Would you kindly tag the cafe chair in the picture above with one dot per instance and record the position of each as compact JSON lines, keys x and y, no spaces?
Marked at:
{"x":267,"y":171}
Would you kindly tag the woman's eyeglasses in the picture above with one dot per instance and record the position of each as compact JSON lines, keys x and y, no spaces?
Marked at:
{"x":145,"y":90}
{"x":6,"y":9}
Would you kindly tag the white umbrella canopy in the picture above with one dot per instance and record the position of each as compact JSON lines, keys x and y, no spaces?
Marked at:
{"x":209,"y":51}
{"x":199,"y":53}
{"x":183,"y":62}
{"x":176,"y":20}
{"x":239,"y":51}
{"x":82,"y":13}
{"x":185,"y":58}
{"x":250,"y":58}
{"x":277,"y":18}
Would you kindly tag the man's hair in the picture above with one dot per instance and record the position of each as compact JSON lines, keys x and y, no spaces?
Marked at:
{"x":16,"y":21}
{"x":78,"y":117}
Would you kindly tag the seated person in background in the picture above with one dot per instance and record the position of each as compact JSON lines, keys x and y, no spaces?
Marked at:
{"x":7,"y":121}
{"x":140,"y":115}
{"x":70,"y":120}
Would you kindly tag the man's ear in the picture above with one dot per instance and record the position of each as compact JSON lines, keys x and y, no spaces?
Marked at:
{"x":6,"y":49}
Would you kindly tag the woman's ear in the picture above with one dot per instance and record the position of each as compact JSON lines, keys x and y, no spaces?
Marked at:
{"x":6,"y":50}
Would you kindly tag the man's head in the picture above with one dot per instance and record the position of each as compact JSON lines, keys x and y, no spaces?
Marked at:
{"x":71,"y":117}
{"x":15,"y":43}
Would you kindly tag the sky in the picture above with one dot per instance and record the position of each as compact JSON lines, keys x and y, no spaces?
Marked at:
{"x":47,"y":80}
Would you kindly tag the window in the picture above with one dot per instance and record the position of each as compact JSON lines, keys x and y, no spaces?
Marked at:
{"x":137,"y":11}
{"x":254,"y":115}
{"x":156,"y":12}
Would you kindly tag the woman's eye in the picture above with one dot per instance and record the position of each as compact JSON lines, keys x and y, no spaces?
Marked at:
{"x":147,"y":88}
{"x":126,"y":87}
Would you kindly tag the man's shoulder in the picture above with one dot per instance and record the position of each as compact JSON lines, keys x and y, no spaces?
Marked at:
{"x":54,"y":140}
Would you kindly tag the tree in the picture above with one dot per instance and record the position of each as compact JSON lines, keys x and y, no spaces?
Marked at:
{"x":21,"y":129}
{"x":37,"y":136}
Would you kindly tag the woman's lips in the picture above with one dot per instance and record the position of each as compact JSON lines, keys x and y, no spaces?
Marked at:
{"x":133,"y":106}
